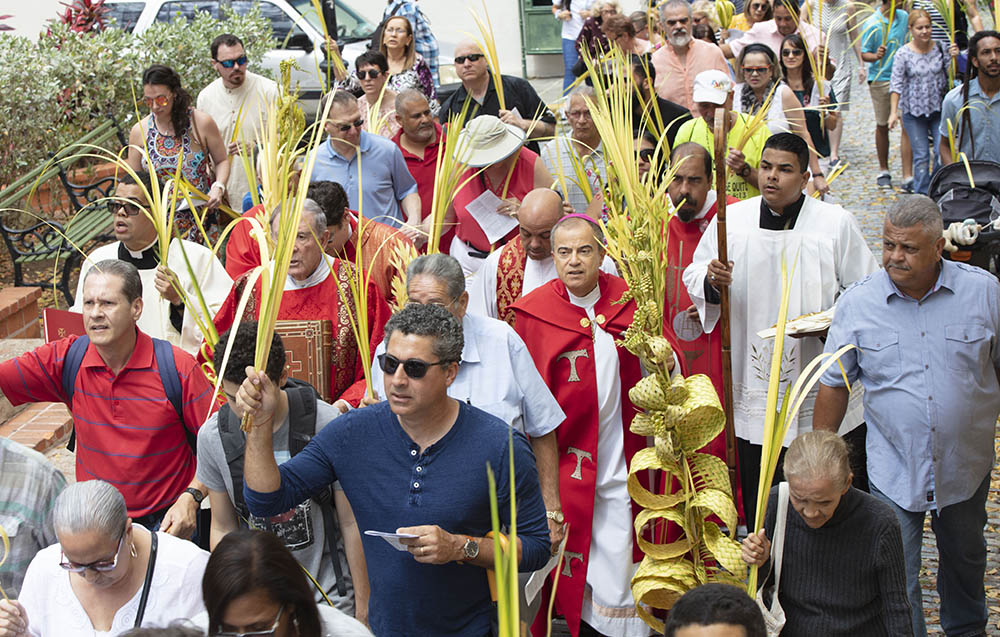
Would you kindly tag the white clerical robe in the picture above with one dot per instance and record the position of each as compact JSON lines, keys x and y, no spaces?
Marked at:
{"x":825,"y":253}
{"x":213,"y":281}
{"x":248,"y":105}
{"x":608,"y":604}
{"x":483,"y":285}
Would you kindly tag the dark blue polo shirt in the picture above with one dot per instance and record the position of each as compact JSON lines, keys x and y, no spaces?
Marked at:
{"x":390,"y":484}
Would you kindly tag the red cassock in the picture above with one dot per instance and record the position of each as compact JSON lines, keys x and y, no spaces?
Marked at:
{"x":558,"y":336}
{"x":701,"y":352}
{"x":323,"y":302}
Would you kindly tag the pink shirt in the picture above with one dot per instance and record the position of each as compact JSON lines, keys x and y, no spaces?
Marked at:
{"x":767,"y":33}
{"x":675,"y":78}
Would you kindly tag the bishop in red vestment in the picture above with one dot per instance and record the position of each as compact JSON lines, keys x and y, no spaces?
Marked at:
{"x":692,"y":190}
{"x":313,"y":292}
{"x":570,"y":326}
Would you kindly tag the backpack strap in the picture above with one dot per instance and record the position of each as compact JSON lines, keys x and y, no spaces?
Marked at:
{"x":234,"y":445}
{"x":164,"y":352}
{"x":71,"y":366}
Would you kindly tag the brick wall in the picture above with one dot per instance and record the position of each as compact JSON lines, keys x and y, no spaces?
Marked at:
{"x":19,"y":312}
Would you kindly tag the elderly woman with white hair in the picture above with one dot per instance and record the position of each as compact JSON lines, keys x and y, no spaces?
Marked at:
{"x":842,"y":567}
{"x":106,"y":575}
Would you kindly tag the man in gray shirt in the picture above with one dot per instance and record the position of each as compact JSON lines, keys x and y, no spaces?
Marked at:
{"x":306,"y":528}
{"x":925,"y":335}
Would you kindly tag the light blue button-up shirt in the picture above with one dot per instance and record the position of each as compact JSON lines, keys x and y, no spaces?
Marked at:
{"x":931,"y":391}
{"x":984,"y":114}
{"x":385,"y":179}
{"x":498,"y":376}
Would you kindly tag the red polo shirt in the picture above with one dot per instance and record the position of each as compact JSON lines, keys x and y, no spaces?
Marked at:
{"x":127,"y":431}
{"x":422,"y":169}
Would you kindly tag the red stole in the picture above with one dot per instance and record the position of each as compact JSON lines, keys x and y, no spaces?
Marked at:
{"x":322,"y":302}
{"x":558,"y":336}
{"x":510,"y":278}
{"x":242,"y":252}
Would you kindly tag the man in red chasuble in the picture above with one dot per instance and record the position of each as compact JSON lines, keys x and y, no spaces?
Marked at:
{"x":570,"y":326}
{"x":317,"y":288}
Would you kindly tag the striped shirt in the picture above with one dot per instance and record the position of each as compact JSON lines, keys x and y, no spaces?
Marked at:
{"x":128,"y":433}
{"x":29,"y":485}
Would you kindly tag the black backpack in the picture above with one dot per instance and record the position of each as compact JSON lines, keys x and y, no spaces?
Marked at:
{"x":302,"y":399}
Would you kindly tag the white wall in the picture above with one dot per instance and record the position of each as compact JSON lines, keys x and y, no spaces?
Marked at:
{"x":29,"y":17}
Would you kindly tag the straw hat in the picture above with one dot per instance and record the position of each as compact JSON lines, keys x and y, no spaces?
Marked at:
{"x":486,"y":140}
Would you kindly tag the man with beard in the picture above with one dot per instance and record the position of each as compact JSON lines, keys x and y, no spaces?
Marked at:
{"x":683,"y":57}
{"x":969,"y":107}
{"x":822,"y":247}
{"x":236,"y":95}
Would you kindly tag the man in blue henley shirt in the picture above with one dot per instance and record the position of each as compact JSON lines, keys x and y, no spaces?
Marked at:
{"x":414,"y":464}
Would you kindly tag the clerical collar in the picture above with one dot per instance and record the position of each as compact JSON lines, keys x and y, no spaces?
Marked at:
{"x":589,"y":300}
{"x":318,"y":276}
{"x":146,"y":259}
{"x":770,"y":220}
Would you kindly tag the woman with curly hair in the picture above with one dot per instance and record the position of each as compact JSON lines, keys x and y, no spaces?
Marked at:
{"x":175,"y":131}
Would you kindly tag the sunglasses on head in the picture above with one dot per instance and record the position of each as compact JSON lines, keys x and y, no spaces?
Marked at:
{"x":159,"y":100}
{"x":412,"y":367}
{"x":343,"y":128}
{"x":101,"y":566}
{"x":130,"y":209}
{"x":228,"y":64}
{"x":370,"y":74}
{"x":472,"y":57}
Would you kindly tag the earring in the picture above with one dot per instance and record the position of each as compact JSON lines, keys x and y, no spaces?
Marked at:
{"x":132,"y":551}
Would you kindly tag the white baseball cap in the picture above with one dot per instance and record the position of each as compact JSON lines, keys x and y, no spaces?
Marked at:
{"x":712,"y":86}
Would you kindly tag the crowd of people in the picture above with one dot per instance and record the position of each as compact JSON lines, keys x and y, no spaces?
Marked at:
{"x":362,"y":505}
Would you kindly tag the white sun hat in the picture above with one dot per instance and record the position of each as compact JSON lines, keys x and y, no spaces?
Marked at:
{"x":486,"y":140}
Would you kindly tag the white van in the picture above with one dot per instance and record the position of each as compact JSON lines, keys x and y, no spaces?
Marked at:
{"x":296,"y":27}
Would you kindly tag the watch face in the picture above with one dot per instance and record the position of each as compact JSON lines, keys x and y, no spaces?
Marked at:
{"x":471,"y":549}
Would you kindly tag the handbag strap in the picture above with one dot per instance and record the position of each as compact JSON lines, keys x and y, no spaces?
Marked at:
{"x":778,"y":544}
{"x":147,"y":583}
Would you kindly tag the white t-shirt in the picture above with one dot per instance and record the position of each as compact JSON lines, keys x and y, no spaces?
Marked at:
{"x":54,"y":611}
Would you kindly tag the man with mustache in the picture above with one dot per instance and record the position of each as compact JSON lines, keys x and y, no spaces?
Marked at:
{"x":683,"y":57}
{"x":824,"y":252}
{"x":418,"y":139}
{"x":925,"y":333}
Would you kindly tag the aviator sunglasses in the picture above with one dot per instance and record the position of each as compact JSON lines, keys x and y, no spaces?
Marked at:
{"x":413,"y":367}
{"x":159,"y":100}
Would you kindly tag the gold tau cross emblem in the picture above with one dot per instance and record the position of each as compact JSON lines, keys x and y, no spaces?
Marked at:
{"x":580,"y":455}
{"x":571,"y":356}
{"x":568,"y":562}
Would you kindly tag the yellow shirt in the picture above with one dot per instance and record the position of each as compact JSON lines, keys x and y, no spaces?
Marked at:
{"x":740,"y":23}
{"x":697,"y":131}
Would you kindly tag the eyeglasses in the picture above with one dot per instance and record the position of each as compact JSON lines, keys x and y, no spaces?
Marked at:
{"x":343,"y":128}
{"x":413,"y":367}
{"x":758,"y":7}
{"x":130,"y":209}
{"x":792,"y":53}
{"x":396,"y":31}
{"x":101,"y":566}
{"x":646,"y":154}
{"x":228,"y":64}
{"x":472,"y":57}
{"x":255,"y":633}
{"x":756,"y":70}
{"x":159,"y":100}
{"x":579,"y":115}
{"x":370,"y":74}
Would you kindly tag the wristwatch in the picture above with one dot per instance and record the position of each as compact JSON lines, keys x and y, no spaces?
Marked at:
{"x":470,"y":550}
{"x":556,"y":516}
{"x":196,"y":494}
{"x":745,"y":171}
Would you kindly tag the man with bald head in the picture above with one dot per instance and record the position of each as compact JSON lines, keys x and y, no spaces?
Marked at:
{"x":524,"y":263}
{"x":522,"y":102}
{"x":571,"y":326}
{"x":418,"y":139}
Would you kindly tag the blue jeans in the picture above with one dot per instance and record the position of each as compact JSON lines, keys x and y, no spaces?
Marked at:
{"x":570,"y":56}
{"x":958,"y":531}
{"x":919,"y":128}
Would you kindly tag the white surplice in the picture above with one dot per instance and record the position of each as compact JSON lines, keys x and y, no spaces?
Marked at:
{"x":246,"y":104}
{"x":213,"y":281}
{"x":825,"y":253}
{"x":482,"y":286}
{"x":608,"y":604}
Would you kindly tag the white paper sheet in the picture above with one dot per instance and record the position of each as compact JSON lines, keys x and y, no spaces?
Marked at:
{"x":392,"y":538}
{"x":534,"y":584}
{"x":494,"y":224}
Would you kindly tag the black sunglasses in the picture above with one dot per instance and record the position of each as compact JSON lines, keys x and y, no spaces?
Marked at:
{"x":131,"y":209}
{"x":472,"y":57}
{"x":240,"y":61}
{"x":646,"y":154}
{"x":413,"y":367}
{"x":370,"y":74}
{"x":358,"y":123}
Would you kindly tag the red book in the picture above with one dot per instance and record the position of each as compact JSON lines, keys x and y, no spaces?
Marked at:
{"x":308,"y":352}
{"x":59,"y":324}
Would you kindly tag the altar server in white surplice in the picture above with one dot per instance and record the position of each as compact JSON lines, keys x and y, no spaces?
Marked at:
{"x":824,"y":251}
